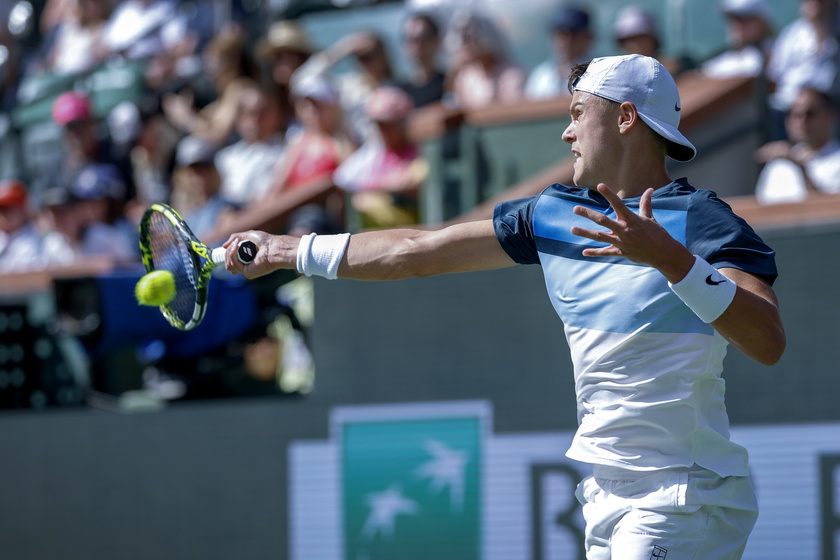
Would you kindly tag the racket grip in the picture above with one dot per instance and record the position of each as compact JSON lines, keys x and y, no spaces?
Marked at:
{"x":246,"y":252}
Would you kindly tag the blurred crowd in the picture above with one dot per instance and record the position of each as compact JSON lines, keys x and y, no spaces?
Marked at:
{"x":229,"y":118}
{"x":108,"y":106}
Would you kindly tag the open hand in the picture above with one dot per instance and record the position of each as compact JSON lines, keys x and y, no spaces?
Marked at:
{"x":636,"y":237}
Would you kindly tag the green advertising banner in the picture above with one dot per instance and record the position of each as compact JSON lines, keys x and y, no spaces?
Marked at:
{"x":412,"y":488}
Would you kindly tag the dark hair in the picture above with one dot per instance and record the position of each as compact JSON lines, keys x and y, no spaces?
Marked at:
{"x":429,"y":21}
{"x":825,"y":98}
{"x":578,"y":70}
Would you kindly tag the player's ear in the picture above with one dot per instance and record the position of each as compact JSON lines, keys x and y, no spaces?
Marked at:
{"x":627,"y":116}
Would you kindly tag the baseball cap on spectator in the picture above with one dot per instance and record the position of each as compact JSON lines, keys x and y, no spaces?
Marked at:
{"x":388,"y":104}
{"x":746,"y":8}
{"x":99,"y":180}
{"x":71,"y":106}
{"x":644,"y":82}
{"x":12,"y":193}
{"x":284,"y":36}
{"x":194,"y":150}
{"x":570,"y":18}
{"x":315,"y":86}
{"x":632,"y":21}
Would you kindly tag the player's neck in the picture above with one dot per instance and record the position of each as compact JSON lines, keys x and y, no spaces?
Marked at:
{"x":636,"y":179}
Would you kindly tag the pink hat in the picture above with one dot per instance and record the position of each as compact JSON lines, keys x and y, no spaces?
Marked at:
{"x":71,"y":107}
{"x":388,"y":104}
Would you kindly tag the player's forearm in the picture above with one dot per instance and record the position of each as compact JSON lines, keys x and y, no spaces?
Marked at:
{"x":408,"y":253}
{"x":377,"y":255}
{"x":752,"y":322}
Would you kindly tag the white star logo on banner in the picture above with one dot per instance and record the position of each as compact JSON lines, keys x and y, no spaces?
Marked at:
{"x":384,"y":507}
{"x":445,"y":469}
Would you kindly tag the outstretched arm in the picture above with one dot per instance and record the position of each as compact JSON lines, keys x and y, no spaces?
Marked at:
{"x":751,"y":322}
{"x":391,"y":254}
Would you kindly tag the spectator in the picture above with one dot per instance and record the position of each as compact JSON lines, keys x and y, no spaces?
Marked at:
{"x":77,"y":45}
{"x":144,"y":29}
{"x":60,"y":223}
{"x":286,"y":48}
{"x":196,"y":187}
{"x":100,"y":195}
{"x":385,"y":173}
{"x":749,"y":31}
{"x":322,"y":145}
{"x":481,"y":72}
{"x":85,"y":141}
{"x":246,"y":166}
{"x":373,"y":70}
{"x":12,"y":62}
{"x":21,"y":245}
{"x":152,"y":155}
{"x":805,"y":52}
{"x":636,"y":32}
{"x":230,"y":70}
{"x":421,"y":43}
{"x":810,"y":161}
{"x":571,"y":39}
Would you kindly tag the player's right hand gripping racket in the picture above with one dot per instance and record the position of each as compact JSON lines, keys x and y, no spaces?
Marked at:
{"x":167,"y":243}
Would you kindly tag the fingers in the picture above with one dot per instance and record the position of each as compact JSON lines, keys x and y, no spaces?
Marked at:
{"x":232,"y":261}
{"x":646,"y":205}
{"x":616,"y":232}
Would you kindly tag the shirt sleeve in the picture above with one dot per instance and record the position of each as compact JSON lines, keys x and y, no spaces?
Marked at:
{"x":513,"y":222}
{"x":724,"y":239}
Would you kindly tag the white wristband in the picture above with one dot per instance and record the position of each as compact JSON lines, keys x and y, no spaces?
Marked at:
{"x":705,"y":291}
{"x":320,"y":255}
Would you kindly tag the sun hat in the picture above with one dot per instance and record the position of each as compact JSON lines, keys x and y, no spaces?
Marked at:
{"x":632,"y":21}
{"x":284,"y":36}
{"x":645,"y":83}
{"x":193,"y":150}
{"x":745,"y":8}
{"x":314,"y":86}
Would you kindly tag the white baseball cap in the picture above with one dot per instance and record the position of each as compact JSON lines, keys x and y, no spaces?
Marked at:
{"x":645,"y":83}
{"x":746,"y":8}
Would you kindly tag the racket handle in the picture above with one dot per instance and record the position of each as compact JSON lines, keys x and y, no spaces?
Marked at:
{"x":246,"y":252}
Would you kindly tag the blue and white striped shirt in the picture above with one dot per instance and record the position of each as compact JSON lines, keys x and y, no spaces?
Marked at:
{"x":647,"y":369}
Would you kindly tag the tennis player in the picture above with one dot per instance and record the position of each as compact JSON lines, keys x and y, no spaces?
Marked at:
{"x":652,"y":279}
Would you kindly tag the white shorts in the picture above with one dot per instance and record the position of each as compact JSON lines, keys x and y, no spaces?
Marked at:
{"x":674,"y":514}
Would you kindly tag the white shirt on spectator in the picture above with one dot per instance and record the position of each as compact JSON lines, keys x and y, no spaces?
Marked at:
{"x":745,"y":62}
{"x":550,"y":79}
{"x":797,"y":61}
{"x":144,"y":29}
{"x":24,"y":250}
{"x":75,"y":48}
{"x":781,"y":180}
{"x":247,"y":169}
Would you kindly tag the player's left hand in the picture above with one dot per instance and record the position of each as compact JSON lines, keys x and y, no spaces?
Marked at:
{"x":636,"y":237}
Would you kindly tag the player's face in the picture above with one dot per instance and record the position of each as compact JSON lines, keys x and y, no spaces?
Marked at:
{"x":591,"y":134}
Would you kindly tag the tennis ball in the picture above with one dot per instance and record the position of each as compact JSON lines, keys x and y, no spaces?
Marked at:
{"x":155,"y":288}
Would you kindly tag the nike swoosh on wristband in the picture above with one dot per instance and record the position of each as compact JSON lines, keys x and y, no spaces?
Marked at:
{"x":711,"y":282}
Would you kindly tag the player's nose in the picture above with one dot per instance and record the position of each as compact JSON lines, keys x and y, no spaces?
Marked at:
{"x":569,"y":134}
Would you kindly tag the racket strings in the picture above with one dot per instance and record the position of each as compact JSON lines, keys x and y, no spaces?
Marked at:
{"x":170,"y":252}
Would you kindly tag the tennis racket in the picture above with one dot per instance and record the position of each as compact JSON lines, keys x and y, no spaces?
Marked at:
{"x":166,"y":243}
